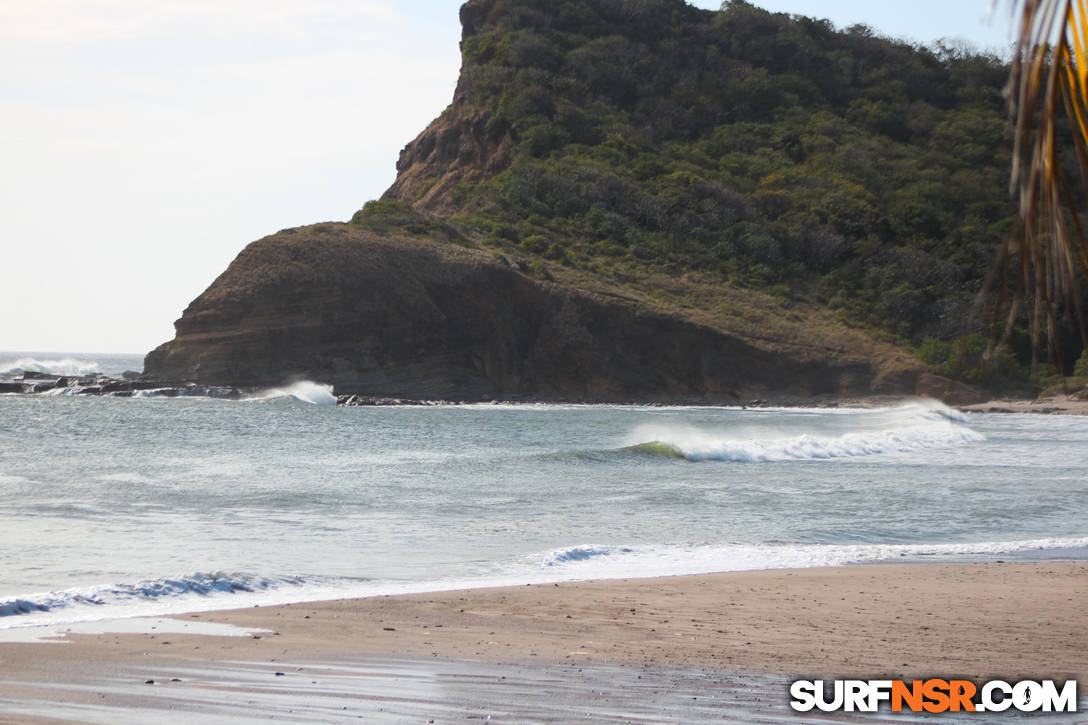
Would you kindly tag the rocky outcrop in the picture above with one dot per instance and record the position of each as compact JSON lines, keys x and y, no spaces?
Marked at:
{"x":458,"y":147}
{"x":380,"y":315}
{"x":128,"y":386}
{"x":401,"y":304}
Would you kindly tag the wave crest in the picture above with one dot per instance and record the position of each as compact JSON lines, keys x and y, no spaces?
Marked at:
{"x":582,"y":553}
{"x":199,"y":584}
{"x":66,"y":366}
{"x":914,"y":426}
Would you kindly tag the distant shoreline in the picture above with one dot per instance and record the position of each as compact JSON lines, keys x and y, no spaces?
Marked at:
{"x":136,"y":384}
{"x":1051,"y":405}
{"x":133,"y":386}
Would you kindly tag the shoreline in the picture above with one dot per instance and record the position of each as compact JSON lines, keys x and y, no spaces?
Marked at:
{"x":60,"y":618}
{"x":900,"y":621}
{"x":137,"y":384}
{"x":106,"y":386}
{"x":1051,"y":405}
{"x":759,"y":621}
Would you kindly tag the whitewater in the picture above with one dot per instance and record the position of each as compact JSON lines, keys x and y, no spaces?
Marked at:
{"x":116,"y":507}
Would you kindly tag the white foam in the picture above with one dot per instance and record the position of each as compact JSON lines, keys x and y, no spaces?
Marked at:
{"x":602,"y":561}
{"x":191,"y":392}
{"x":910,"y":427}
{"x":138,"y":625}
{"x":205,"y":592}
{"x":304,"y":390}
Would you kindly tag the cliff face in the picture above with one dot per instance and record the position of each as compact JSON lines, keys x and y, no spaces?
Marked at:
{"x":459,"y":147}
{"x":390,"y":316}
{"x":856,"y":172}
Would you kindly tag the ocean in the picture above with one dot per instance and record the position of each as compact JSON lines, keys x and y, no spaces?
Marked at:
{"x":114,"y":507}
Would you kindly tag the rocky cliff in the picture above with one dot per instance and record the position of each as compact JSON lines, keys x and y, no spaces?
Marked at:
{"x":387,"y":315}
{"x":636,"y":202}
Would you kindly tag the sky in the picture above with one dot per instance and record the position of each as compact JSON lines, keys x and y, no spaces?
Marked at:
{"x":144,"y":144}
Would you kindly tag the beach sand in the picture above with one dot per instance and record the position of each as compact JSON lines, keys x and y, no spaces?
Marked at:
{"x":1053,"y":404}
{"x":976,"y":621}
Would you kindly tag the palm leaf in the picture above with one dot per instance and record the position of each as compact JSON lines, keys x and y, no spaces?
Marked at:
{"x":1044,"y":259}
{"x":1040,"y":266}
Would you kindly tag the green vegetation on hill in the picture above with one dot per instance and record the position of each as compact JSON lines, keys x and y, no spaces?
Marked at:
{"x":775,"y":153}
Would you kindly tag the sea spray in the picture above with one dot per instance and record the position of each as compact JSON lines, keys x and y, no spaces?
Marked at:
{"x":66,"y":366}
{"x":917,"y":425}
{"x":305,"y":391}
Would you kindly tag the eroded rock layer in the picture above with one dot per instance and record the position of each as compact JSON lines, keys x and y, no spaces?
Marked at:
{"x":386,"y":316}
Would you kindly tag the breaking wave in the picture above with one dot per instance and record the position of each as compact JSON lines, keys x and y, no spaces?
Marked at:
{"x":582,"y":553}
{"x":66,"y":366}
{"x":198,"y":584}
{"x":304,"y":391}
{"x":910,"y":427}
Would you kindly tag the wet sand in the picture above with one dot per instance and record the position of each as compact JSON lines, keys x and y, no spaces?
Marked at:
{"x":584,"y":645}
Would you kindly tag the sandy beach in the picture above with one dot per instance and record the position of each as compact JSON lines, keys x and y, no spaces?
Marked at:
{"x":976,"y":621}
{"x":1050,"y":405}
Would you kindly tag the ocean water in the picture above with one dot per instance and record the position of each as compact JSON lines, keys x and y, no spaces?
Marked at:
{"x":112,"y":507}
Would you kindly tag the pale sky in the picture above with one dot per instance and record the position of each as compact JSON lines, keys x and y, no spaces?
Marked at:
{"x":144,"y":143}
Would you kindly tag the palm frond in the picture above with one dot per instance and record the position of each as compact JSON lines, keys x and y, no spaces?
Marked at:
{"x":1043,"y":261}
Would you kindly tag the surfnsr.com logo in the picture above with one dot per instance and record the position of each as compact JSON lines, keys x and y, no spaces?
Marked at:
{"x":933,"y":695}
